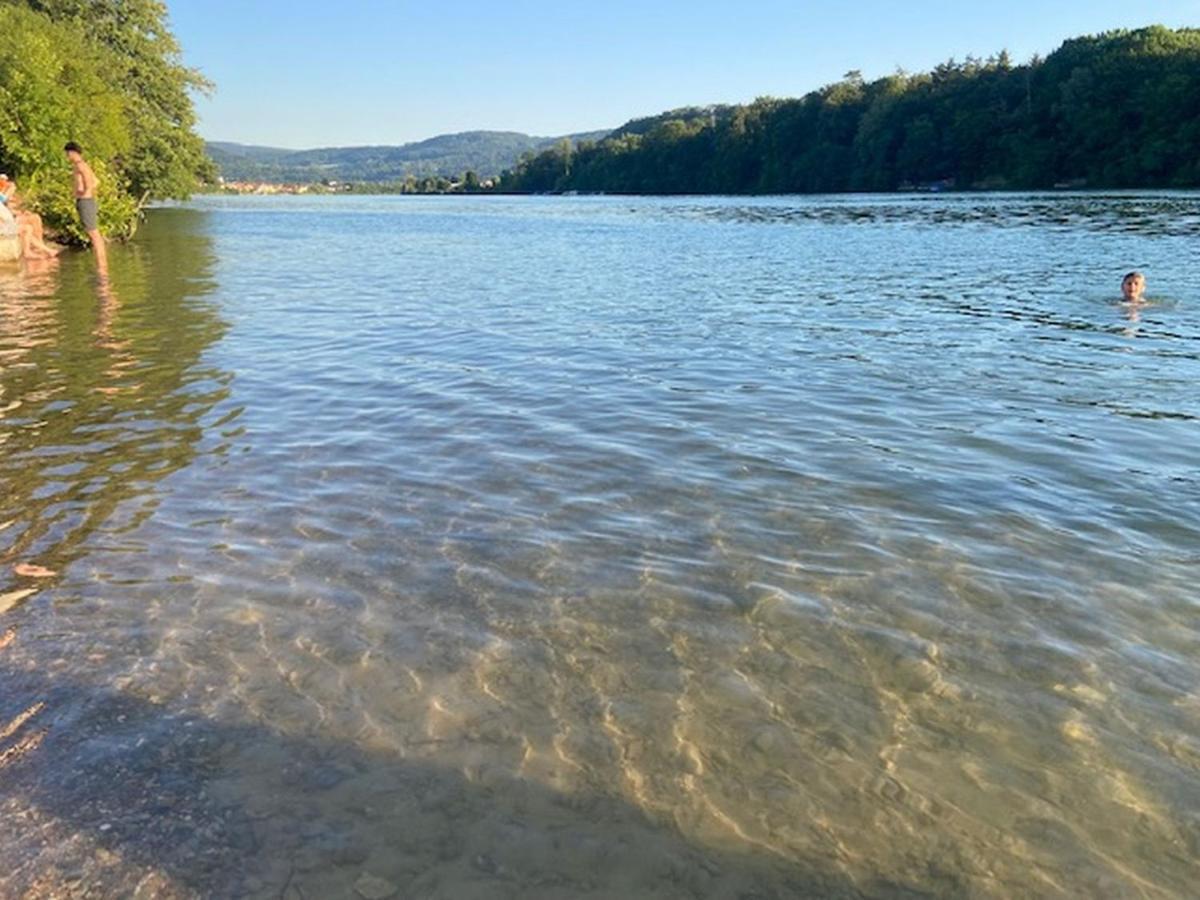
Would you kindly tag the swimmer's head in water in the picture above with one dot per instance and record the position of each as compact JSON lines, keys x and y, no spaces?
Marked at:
{"x":1133,"y":286}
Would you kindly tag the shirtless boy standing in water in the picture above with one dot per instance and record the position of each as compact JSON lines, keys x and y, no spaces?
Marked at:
{"x":85,"y":203}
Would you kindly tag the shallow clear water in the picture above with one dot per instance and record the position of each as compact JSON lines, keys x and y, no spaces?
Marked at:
{"x":605,"y":547}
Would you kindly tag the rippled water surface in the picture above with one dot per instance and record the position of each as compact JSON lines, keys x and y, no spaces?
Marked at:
{"x":543,"y":548}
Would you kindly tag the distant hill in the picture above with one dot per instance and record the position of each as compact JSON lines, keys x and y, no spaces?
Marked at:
{"x":487,"y":153}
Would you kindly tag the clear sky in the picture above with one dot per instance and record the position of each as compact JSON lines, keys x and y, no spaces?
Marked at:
{"x":302,"y":73}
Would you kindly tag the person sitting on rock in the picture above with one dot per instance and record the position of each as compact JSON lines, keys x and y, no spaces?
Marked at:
{"x":29,"y":224}
{"x":9,"y":229}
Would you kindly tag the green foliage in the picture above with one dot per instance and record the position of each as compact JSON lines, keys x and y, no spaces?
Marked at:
{"x":51,"y":89}
{"x":1120,"y":109}
{"x":144,"y":62}
{"x":467,"y":183}
{"x":105,"y":73}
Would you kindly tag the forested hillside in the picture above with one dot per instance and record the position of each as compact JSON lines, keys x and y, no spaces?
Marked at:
{"x":1117,"y":110}
{"x":487,"y":153}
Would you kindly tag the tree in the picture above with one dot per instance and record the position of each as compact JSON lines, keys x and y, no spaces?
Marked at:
{"x":144,"y":62}
{"x":105,"y":73}
{"x":1120,"y":109}
{"x":52,"y":90}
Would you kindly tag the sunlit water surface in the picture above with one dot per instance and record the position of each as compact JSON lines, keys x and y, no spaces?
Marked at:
{"x":542,"y":548}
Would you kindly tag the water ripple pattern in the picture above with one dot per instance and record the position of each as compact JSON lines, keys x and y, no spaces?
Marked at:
{"x":614,"y":547}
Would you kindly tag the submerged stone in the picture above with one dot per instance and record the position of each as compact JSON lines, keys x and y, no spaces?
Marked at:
{"x":371,"y":887}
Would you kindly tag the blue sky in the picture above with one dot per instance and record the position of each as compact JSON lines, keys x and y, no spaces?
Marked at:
{"x":298,"y":73}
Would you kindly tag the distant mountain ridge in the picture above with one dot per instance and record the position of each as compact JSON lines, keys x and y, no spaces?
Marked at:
{"x":487,"y":153}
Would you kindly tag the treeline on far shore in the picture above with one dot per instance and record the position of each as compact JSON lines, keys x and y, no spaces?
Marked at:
{"x":468,"y":183}
{"x":1116,"y":110}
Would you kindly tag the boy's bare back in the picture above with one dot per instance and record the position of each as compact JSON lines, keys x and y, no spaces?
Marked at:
{"x":85,"y":181}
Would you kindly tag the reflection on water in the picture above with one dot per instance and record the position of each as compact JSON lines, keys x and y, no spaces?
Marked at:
{"x":101,"y":393}
{"x":627,"y":548}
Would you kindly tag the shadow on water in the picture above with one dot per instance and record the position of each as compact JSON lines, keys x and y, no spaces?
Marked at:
{"x":103,"y":392}
{"x":123,"y":797}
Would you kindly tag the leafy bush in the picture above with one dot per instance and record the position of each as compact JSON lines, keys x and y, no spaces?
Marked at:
{"x":104,"y":73}
{"x":52,"y":90}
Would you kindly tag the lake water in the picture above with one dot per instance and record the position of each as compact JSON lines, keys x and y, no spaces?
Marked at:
{"x":557,"y":547}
